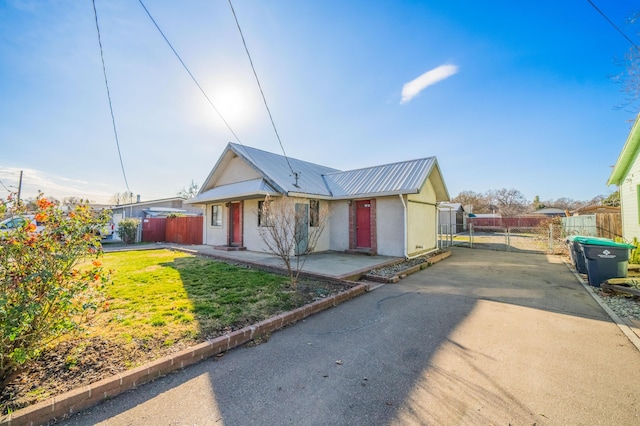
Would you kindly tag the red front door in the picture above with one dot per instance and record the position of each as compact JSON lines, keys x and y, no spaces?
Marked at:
{"x":363,"y":224}
{"x":236,"y":227}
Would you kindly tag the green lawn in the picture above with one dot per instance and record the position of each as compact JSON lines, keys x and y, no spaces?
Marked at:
{"x":168,"y":296}
{"x":160,"y":301}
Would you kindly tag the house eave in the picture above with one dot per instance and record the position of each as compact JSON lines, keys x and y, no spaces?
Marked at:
{"x":376,"y":194}
{"x":310,"y":196}
{"x":237,"y":197}
{"x":627,"y":156}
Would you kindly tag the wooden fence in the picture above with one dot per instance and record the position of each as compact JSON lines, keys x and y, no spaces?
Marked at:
{"x":154,"y":229}
{"x":179,"y":230}
{"x":607,"y":225}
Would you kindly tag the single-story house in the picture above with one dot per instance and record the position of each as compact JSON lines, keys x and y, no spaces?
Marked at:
{"x":451,"y":218}
{"x":626,"y":175}
{"x":388,"y":210}
{"x":550,"y":212}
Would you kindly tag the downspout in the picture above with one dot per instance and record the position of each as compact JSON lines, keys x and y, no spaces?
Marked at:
{"x":204,"y":223}
{"x":404,"y":207}
{"x":435,"y":234}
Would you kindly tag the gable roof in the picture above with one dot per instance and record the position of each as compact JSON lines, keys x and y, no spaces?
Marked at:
{"x":234,"y":191}
{"x":406,"y":177}
{"x":274,"y":169}
{"x":627,"y":156}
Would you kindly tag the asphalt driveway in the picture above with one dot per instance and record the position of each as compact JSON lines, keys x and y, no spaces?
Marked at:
{"x":481,"y":338}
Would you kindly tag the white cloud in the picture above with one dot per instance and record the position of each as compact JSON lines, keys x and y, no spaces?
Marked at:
{"x":50,"y":184}
{"x":414,"y":87}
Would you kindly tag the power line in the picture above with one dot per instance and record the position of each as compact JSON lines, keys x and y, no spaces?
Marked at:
{"x":262,"y":92}
{"x":189,"y":72}
{"x":5,"y":186}
{"x":193,"y":78}
{"x":614,"y":25}
{"x":106,"y":83}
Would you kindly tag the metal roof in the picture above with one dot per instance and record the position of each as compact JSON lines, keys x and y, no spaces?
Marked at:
{"x":276,"y":171}
{"x":406,"y":177}
{"x":246,"y":189}
{"x":450,"y":206}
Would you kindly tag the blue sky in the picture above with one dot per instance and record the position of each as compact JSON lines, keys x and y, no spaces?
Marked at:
{"x":505,"y":94}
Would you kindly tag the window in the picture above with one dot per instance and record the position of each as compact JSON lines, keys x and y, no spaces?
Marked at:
{"x":263,"y":219}
{"x":216,"y":215}
{"x":314,"y":212}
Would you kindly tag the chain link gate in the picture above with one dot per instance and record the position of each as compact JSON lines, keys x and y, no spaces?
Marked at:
{"x":548,"y":239}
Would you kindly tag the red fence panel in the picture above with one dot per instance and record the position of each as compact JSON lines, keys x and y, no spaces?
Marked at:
{"x":184,"y":230}
{"x":153,"y":229}
{"x":524,"y":221}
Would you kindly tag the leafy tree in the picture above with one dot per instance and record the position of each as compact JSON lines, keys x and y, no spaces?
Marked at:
{"x":281,"y":230}
{"x":48,"y":285}
{"x":190,"y":192}
{"x":536,"y":204}
{"x":128,"y":230}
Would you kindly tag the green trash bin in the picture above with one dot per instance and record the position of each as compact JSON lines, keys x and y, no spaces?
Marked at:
{"x":604,"y":259}
{"x":576,"y":254}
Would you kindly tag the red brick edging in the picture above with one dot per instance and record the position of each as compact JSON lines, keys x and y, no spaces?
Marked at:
{"x":78,"y":399}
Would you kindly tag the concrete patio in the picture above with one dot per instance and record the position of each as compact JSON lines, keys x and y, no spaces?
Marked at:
{"x":334,"y":265}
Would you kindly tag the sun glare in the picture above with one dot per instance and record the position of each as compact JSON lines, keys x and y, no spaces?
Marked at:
{"x":232,"y":103}
{"x":235,"y":102}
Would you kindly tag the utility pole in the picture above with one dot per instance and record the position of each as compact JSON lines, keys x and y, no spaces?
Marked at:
{"x":19,"y":186}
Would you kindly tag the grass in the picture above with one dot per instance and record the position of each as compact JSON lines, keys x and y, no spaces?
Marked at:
{"x":160,"y":301}
{"x":171,"y":296}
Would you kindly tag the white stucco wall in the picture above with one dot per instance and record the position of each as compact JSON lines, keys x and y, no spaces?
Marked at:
{"x":216,"y":235}
{"x":252,"y":239}
{"x":390,"y":226}
{"x":629,"y":202}
{"x":236,"y":171}
{"x":338,"y":230}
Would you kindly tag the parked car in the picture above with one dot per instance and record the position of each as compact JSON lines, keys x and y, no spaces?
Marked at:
{"x":106,"y":231}
{"x":16,"y":222}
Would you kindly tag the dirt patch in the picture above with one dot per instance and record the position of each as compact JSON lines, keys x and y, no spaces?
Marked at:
{"x":81,"y":361}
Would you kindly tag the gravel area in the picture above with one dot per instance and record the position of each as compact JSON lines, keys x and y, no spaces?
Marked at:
{"x":395,"y":269}
{"x":623,"y":305}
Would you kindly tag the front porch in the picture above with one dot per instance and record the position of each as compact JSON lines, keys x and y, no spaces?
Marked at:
{"x":329,"y":264}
